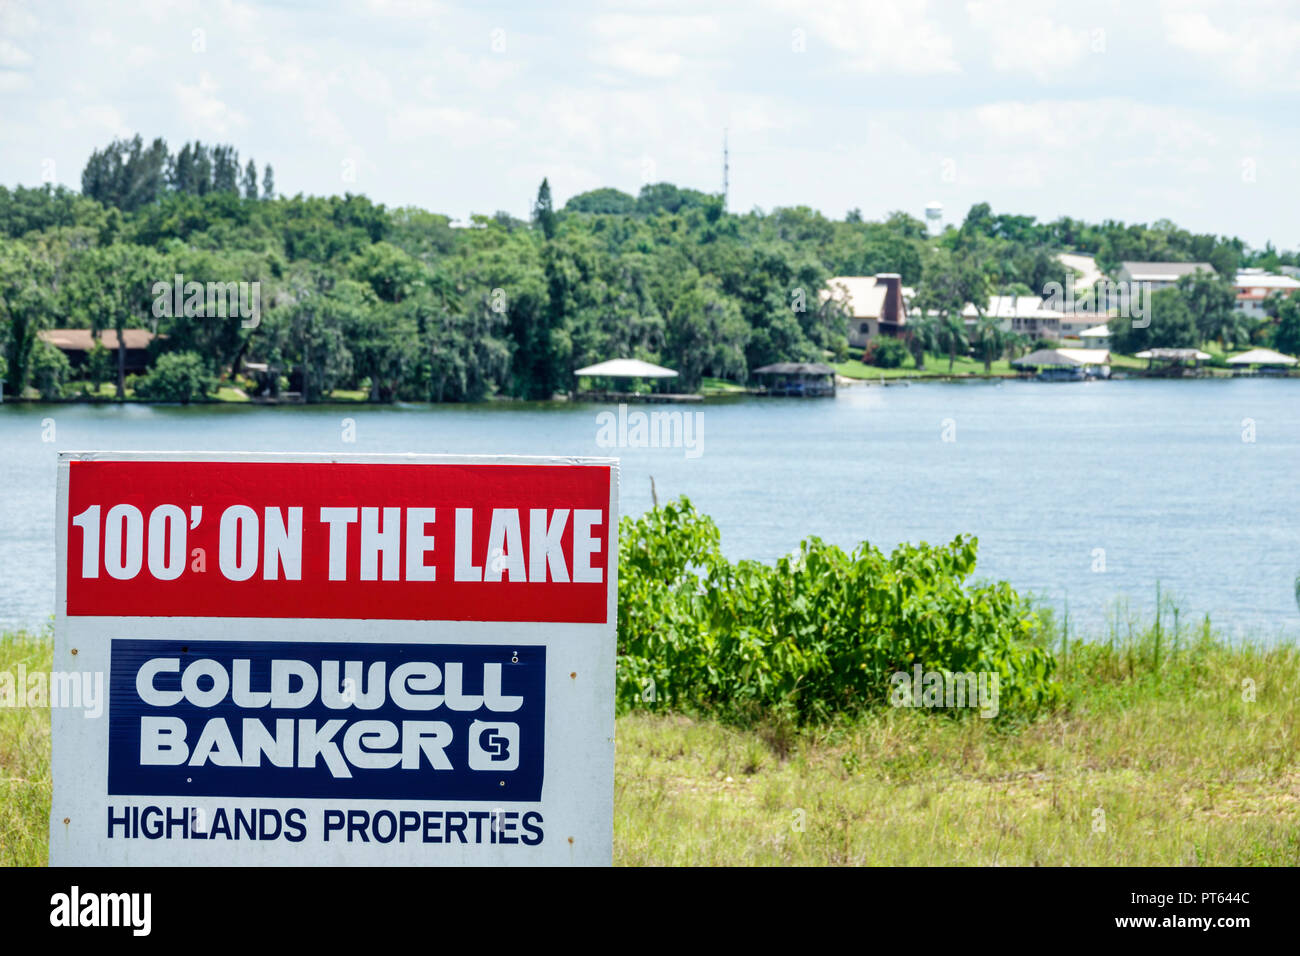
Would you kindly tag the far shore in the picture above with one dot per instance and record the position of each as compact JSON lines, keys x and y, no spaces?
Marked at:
{"x":848,"y":374}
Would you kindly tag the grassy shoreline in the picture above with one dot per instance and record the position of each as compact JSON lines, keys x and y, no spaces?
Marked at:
{"x":1165,"y":742}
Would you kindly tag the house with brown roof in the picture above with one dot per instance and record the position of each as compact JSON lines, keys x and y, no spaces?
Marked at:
{"x":77,"y":343}
{"x":876,"y":305}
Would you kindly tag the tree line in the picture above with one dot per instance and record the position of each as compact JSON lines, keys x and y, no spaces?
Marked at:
{"x":127,"y":175}
{"x":407,"y":305}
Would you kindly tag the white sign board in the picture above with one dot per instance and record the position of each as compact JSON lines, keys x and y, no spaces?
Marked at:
{"x":334,"y":660}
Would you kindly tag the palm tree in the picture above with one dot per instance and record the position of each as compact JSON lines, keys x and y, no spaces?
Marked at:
{"x":952,"y":336}
{"x":923,"y":337}
{"x":1014,"y":345}
{"x":1233,"y":330}
{"x":988,"y":340}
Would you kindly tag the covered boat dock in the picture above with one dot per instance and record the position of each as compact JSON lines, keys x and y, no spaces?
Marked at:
{"x":626,"y":372}
{"x":1268,"y":362}
{"x":1066,"y":365}
{"x":795,"y":379}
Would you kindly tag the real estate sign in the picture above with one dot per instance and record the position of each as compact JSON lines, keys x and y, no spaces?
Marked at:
{"x":336,"y":659}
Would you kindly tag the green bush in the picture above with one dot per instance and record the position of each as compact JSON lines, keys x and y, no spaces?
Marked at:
{"x":886,"y":352}
{"x":176,"y":377}
{"x":49,"y":370}
{"x":816,"y":635}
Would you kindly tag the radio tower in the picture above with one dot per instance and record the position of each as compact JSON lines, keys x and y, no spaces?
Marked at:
{"x":726,"y":169}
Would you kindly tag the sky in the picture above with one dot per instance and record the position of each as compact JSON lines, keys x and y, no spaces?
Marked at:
{"x":1099,"y":110}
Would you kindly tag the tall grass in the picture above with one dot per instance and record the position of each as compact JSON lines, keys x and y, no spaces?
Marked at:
{"x":1171,"y":746}
{"x":25,"y":786}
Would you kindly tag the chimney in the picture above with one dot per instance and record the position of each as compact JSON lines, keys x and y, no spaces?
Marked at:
{"x":892,"y":309}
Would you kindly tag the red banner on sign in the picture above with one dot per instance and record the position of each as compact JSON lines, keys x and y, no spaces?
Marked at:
{"x":455,"y":542}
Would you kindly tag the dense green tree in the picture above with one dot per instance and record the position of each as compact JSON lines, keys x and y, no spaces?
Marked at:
{"x":26,"y":300}
{"x":988,"y":340}
{"x":113,"y":286}
{"x":126,"y":173}
{"x":177,"y":377}
{"x":394,"y":275}
{"x":705,"y":333}
{"x":49,"y":370}
{"x":99,"y":365}
{"x":1170,"y":324}
{"x":543,"y":211}
{"x":249,"y":181}
{"x":952,"y":337}
{"x":25,"y":210}
{"x":656,"y":198}
{"x":1286,"y":333}
{"x":1211,"y":300}
{"x":922,"y":337}
{"x":610,"y":202}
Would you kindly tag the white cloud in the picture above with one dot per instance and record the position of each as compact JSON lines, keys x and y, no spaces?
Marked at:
{"x":654,"y":46}
{"x":897,"y":37}
{"x":100,"y":119}
{"x":12,"y":81}
{"x":1024,"y":39}
{"x":204,"y":110}
{"x":1256,"y":47}
{"x":404,"y":9}
{"x":12,"y":56}
{"x":446,"y":126}
{"x":642,"y":62}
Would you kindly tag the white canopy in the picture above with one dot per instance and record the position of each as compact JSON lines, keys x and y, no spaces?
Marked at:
{"x":627,"y":368}
{"x":1067,"y":357}
{"x":1096,"y":332}
{"x":1181,"y":355}
{"x":1261,"y":357}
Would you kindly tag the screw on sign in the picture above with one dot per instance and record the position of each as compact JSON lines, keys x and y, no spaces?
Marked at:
{"x":379,"y":666}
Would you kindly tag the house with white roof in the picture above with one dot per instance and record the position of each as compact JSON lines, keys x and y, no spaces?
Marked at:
{"x":1028,"y":315}
{"x":1254,"y":286}
{"x":1160,"y":275}
{"x":1033,"y":317}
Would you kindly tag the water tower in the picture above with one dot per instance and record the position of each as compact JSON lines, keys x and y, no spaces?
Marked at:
{"x":934,"y":217}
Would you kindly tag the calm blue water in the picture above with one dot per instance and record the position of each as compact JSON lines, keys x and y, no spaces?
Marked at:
{"x":1155,"y":473}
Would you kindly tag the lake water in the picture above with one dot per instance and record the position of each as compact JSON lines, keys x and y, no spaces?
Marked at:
{"x":1156,"y":474}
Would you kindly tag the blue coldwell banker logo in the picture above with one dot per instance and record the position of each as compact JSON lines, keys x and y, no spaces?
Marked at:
{"x":387,"y":721}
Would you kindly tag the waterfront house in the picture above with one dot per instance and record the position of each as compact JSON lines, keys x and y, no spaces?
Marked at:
{"x":1026,"y":315}
{"x":77,"y":343}
{"x":1254,"y":286}
{"x":1096,"y":337}
{"x":877,"y":305}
